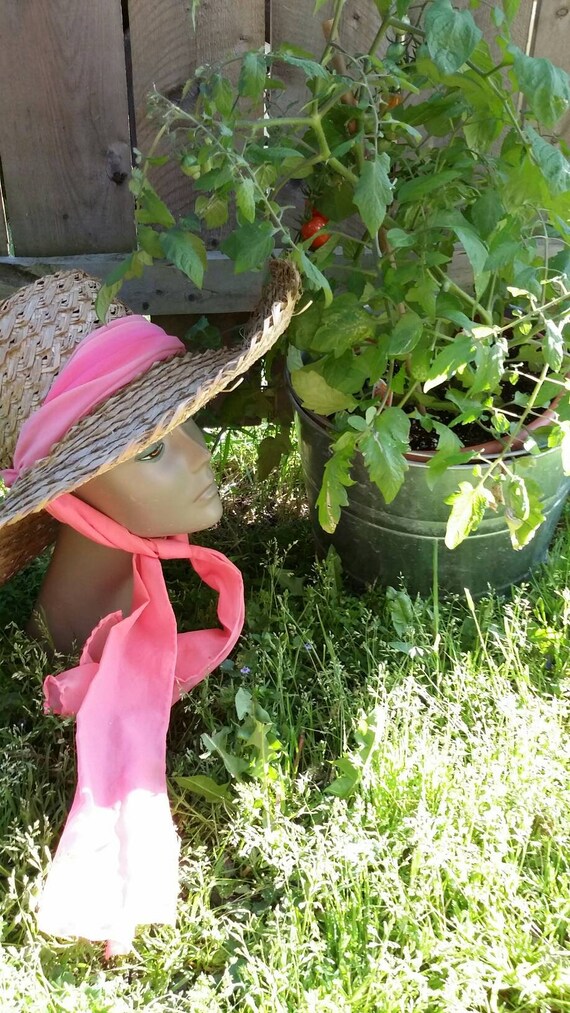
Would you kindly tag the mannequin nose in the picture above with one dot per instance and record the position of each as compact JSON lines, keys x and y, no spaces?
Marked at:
{"x":194,"y":442}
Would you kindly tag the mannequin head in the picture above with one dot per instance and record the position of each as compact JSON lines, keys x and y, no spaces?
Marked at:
{"x":167,"y":489}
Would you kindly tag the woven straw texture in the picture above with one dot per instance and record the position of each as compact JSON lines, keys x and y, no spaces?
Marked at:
{"x":133,"y":418}
{"x":39,"y":328}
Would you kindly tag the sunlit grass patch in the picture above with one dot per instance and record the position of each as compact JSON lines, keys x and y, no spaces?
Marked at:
{"x":373,"y":796}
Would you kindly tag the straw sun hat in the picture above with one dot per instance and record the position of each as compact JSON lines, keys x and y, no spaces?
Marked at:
{"x":40,"y":327}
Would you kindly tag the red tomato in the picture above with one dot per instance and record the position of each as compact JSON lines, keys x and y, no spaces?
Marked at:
{"x":314,"y":225}
{"x":318,"y":214}
{"x":320,"y":240}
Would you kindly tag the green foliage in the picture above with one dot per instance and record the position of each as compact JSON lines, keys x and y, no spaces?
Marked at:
{"x":255,"y":751}
{"x":336,"y":480}
{"x":373,"y":192}
{"x":468,"y":506}
{"x":187,"y":252}
{"x":353,"y":769}
{"x":383,"y":445}
{"x":250,"y":246}
{"x":439,"y":285}
{"x":451,"y":35}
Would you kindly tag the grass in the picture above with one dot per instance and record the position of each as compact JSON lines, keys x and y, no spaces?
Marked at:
{"x":372,"y":795}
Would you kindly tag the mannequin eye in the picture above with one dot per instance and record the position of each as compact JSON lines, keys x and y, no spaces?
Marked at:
{"x":151,"y":453}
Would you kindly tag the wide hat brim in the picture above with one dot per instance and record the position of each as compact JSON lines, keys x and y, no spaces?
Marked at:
{"x":139,"y":414}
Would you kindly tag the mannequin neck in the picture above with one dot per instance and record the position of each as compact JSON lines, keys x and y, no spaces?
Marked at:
{"x":84,"y":582}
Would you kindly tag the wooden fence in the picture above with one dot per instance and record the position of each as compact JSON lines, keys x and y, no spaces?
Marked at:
{"x":74,"y":81}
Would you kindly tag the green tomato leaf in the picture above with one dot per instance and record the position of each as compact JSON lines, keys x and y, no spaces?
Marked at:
{"x":523,"y":508}
{"x":344,"y":324}
{"x":475,"y":248}
{"x":554,"y":166}
{"x":347,"y":372}
{"x":424,"y":294}
{"x":245,"y":199}
{"x":486,"y":213}
{"x":149,"y":241}
{"x":151,"y":210}
{"x":448,"y":307}
{"x":421,"y":359}
{"x":401,"y":612}
{"x":223,"y":94}
{"x":383,"y":447}
{"x":553,"y":345}
{"x":336,"y":479}
{"x":315,"y":278}
{"x":271,"y":452}
{"x":251,"y":83}
{"x":451,"y":36}
{"x":213,"y":210}
{"x":399,"y":240}
{"x":187,"y":252}
{"x":468,"y":506}
{"x":405,"y":334}
{"x":545,"y":87}
{"x":449,"y":360}
{"x":310,"y":68}
{"x":489,"y":365}
{"x":343,"y":786}
{"x":415,"y":189}
{"x":305,"y":321}
{"x":561,"y":438}
{"x":214,"y":179}
{"x":449,"y":441}
{"x":441,"y":461}
{"x":373,"y":192}
{"x":316,"y":394}
{"x":131,"y":267}
{"x":105,"y":297}
{"x":249,"y":246}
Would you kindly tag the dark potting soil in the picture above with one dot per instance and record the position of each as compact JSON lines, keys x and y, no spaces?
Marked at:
{"x":470,"y":434}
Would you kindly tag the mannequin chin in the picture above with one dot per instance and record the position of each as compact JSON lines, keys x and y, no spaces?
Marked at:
{"x":167,"y":489}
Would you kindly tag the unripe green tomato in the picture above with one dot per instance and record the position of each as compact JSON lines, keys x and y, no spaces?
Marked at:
{"x":395,"y":51}
{"x":190,"y":167}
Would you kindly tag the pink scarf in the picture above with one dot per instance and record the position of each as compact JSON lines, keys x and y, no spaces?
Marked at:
{"x":116,"y":865}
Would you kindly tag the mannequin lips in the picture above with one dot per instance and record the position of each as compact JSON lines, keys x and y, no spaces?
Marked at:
{"x":209,"y":492}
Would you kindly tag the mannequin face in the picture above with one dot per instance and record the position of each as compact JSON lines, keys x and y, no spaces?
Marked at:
{"x":167,"y":489}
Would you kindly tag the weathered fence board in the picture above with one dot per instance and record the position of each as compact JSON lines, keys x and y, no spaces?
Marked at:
{"x":161,"y":54}
{"x":162,"y":289}
{"x":64,"y":134}
{"x":165,"y":52}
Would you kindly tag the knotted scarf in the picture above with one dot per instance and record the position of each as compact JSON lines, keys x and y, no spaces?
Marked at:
{"x":116,"y":865}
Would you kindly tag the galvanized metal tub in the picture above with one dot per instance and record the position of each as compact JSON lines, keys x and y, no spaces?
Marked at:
{"x":384,"y":542}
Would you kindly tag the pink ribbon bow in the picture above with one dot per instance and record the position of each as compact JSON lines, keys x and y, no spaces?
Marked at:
{"x":116,"y":865}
